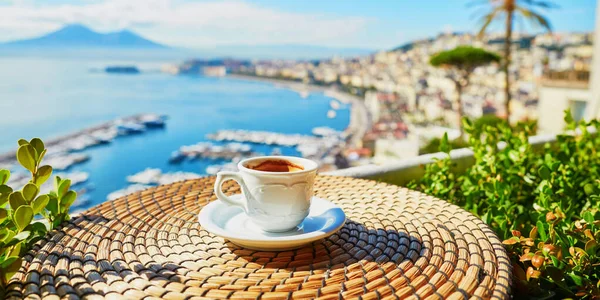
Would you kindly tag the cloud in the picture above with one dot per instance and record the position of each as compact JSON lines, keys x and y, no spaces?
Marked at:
{"x":189,"y":24}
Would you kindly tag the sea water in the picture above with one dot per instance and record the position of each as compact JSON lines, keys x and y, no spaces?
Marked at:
{"x":52,"y":96}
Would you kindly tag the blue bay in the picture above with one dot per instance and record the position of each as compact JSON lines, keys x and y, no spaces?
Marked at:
{"x":49,"y":97}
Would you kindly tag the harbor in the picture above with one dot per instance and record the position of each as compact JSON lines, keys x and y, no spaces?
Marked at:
{"x":61,"y":149}
{"x":112,"y":150}
{"x":66,"y":151}
{"x":312,"y":147}
{"x":213,"y":151}
{"x":228,"y":147}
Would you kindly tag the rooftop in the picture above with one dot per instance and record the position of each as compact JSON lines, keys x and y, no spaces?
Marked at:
{"x":566,"y":79}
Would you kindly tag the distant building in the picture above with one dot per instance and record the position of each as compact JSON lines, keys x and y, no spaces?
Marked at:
{"x":560,"y":91}
{"x":389,"y":150}
{"x":578,"y":90}
{"x":218,"y":71}
{"x":594,"y":109}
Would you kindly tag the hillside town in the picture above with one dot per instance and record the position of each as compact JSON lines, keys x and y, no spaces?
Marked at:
{"x":411,"y":102}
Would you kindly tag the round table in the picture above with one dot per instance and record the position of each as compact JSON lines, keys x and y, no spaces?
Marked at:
{"x":396,"y":244}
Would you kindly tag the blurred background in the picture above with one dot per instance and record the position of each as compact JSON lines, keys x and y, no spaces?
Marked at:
{"x":129,"y":94}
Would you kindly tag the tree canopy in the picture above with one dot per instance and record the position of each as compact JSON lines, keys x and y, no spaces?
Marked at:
{"x":524,"y":8}
{"x":464,"y":57}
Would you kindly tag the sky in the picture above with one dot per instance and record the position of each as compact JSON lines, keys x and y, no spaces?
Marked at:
{"x":368,"y":24}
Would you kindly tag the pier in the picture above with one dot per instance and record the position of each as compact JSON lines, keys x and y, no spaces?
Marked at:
{"x":228,"y":151}
{"x":60,"y":148}
{"x":312,"y":147}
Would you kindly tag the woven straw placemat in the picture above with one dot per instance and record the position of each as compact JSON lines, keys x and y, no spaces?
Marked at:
{"x":396,"y":243}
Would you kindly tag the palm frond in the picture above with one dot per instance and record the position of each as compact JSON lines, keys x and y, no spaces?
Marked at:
{"x":487,"y":20}
{"x":542,"y":4}
{"x":535,"y":18}
{"x":478,"y":12}
{"x":519,"y":19}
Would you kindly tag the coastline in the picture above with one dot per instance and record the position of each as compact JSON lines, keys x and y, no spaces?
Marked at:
{"x":360,"y":120}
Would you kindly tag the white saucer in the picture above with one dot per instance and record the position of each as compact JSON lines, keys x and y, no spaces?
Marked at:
{"x":231,"y":223}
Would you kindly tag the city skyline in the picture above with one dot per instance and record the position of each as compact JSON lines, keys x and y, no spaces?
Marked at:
{"x":205,"y":24}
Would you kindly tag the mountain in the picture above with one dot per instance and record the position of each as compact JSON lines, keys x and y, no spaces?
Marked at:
{"x":80,"y":36}
{"x":77,"y":37}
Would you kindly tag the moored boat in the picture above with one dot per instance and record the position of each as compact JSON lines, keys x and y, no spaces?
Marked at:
{"x":130,"y":128}
{"x":176,"y":157}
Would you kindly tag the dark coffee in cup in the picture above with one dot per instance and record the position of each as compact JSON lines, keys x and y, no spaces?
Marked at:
{"x":275,"y":165}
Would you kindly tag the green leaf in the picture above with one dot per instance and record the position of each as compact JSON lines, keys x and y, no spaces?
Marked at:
{"x":589,"y":189}
{"x":4,"y":176}
{"x":545,"y":173}
{"x":467,"y":124}
{"x":588,"y":217}
{"x":53,"y":206}
{"x":555,"y":261}
{"x":23,"y":142}
{"x":41,"y":156}
{"x":40,"y":203}
{"x":38,"y":227}
{"x":16,"y":199}
{"x":8,"y":261}
{"x":23,"y":235}
{"x":16,"y":250}
{"x":26,"y":156}
{"x":5,"y":191}
{"x":38,"y":145}
{"x":578,"y":280}
{"x":541,"y":230}
{"x":29,"y":192}
{"x":23,"y":216}
{"x":489,"y":187}
{"x":67,"y":200}
{"x":43,"y":173}
{"x":3,"y":233}
{"x":569,"y":118}
{"x":10,"y":270}
{"x":513,"y":155}
{"x":45,"y":223}
{"x":3,"y":215}
{"x":9,"y":235}
{"x":64,"y":187}
{"x":444,"y":144}
{"x":590,"y":246}
{"x":57,"y":181}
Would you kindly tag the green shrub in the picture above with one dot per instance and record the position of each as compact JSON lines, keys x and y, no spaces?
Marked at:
{"x":488,"y":120}
{"x":480,"y":123}
{"x":434,"y":145}
{"x":545,"y":204}
{"x":25,"y":215}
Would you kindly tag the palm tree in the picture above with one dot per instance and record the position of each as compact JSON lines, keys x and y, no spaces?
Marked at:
{"x":509,"y":10}
{"x":462,"y":61}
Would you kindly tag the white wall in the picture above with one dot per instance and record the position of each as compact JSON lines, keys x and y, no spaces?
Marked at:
{"x":593,"y":110}
{"x":388,"y":150}
{"x":553,"y":102}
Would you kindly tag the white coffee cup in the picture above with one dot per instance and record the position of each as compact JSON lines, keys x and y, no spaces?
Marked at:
{"x":275,"y":201}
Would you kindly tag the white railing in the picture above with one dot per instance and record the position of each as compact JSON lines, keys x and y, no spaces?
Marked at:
{"x":406,"y":170}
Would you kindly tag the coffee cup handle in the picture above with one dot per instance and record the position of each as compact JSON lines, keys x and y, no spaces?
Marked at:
{"x":224,"y":176}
